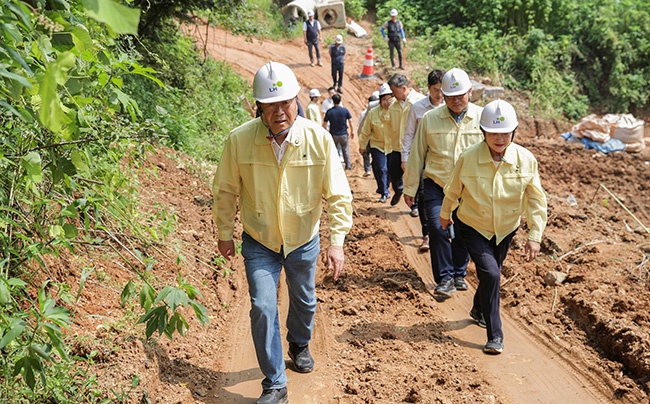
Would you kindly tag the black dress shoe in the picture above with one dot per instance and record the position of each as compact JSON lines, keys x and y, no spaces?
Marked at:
{"x":301,"y":358}
{"x":395,"y":199}
{"x":273,"y":396}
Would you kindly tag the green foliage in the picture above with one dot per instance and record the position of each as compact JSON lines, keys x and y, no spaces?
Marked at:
{"x":157,"y":15}
{"x":355,"y":9}
{"x":161,"y":313}
{"x":255,"y":19}
{"x":35,"y":364}
{"x":569,"y":55}
{"x":202,"y":99}
{"x":68,"y":125}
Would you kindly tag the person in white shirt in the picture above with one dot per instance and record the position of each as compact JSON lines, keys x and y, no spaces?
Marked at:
{"x":433,"y":100}
{"x":312,"y":35}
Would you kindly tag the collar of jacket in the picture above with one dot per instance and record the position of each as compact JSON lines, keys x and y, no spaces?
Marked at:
{"x":295,"y":136}
{"x":485,"y":156}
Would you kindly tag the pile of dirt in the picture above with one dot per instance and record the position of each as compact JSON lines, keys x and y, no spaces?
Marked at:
{"x":380,"y":336}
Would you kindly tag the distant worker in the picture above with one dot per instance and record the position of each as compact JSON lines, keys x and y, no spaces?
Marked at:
{"x":382,"y":134}
{"x":489,"y":210}
{"x":340,"y":123}
{"x":337,"y":54}
{"x":313,"y":109}
{"x":373,"y":101}
{"x":405,"y":97}
{"x":312,"y":34}
{"x":393,"y":32}
{"x":443,"y":133}
{"x":327,"y":104}
{"x":278,"y":168}
{"x":416,"y":112}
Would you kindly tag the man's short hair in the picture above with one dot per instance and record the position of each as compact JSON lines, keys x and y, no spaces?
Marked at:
{"x":336,"y":98}
{"x":435,"y":76}
{"x":331,"y":89}
{"x":398,"y":80}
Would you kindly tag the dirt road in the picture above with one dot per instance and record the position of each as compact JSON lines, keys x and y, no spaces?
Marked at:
{"x":380,"y":336}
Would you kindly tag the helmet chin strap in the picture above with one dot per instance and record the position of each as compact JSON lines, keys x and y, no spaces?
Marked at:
{"x":271,"y":136}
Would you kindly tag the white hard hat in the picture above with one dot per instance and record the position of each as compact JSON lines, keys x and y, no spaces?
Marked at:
{"x":499,"y":117}
{"x":310,"y":13}
{"x":339,"y":39}
{"x":385,"y":89}
{"x":393,"y":12}
{"x":314,"y":93}
{"x":455,"y":82}
{"x":275,"y":82}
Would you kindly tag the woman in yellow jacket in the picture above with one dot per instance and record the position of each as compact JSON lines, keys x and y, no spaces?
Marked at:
{"x":493,"y":183}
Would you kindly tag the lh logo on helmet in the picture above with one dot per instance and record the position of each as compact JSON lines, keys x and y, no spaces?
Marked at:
{"x":499,"y":120}
{"x":276,"y":87}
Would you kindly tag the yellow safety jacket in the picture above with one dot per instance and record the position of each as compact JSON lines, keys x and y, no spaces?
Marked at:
{"x":381,"y":129}
{"x":438,"y":143}
{"x":492,"y":199}
{"x":281,"y":205}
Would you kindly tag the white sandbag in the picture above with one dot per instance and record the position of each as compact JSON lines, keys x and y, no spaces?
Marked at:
{"x":626,"y":128}
{"x":593,"y":127}
{"x":635,"y":147}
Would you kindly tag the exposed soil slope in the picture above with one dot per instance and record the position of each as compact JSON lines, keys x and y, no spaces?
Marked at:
{"x":380,"y":336}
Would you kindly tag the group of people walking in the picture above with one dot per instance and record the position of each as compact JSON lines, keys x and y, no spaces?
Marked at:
{"x":453,"y":163}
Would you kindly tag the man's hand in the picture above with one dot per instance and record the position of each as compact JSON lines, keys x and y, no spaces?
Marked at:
{"x":532,"y":249}
{"x":444,"y":223}
{"x":404,"y":40}
{"x":362,"y":151}
{"x":335,"y":260}
{"x":403,"y":166}
{"x":227,"y":249}
{"x":409,"y":200}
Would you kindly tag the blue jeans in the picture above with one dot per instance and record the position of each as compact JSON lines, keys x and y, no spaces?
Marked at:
{"x":488,"y":258}
{"x":263,"y":268}
{"x":311,"y":45}
{"x":387,"y":168}
{"x":448,"y":259}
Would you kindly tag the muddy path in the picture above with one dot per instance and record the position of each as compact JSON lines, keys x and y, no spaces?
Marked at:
{"x":380,"y":336}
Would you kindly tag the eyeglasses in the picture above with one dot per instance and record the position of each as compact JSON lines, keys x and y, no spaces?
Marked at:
{"x":455,"y":97}
{"x":273,"y":106}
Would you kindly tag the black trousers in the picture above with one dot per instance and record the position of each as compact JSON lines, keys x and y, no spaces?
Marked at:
{"x":337,"y":75}
{"x":392,"y":46}
{"x":488,"y":256}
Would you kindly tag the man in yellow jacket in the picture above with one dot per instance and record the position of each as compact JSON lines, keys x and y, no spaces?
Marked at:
{"x":443,"y":133}
{"x":493,"y":183}
{"x":404,"y":98}
{"x":380,"y":130}
{"x":279,"y":167}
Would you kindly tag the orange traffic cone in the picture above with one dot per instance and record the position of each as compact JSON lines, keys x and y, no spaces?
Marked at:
{"x":368,"y":71}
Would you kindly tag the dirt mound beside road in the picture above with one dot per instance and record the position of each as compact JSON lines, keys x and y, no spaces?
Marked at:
{"x":380,"y":336}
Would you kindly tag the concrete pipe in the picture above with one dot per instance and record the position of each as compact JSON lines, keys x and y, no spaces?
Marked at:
{"x":295,"y":12}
